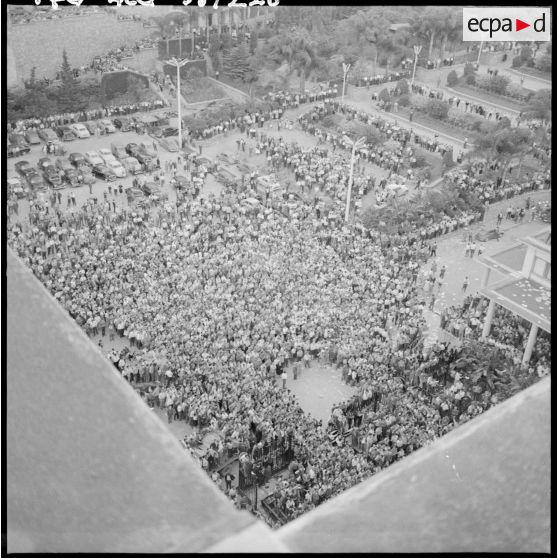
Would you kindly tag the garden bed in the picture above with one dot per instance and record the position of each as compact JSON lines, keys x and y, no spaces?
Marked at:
{"x":202,"y":89}
{"x":438,"y":125}
{"x":484,"y":95}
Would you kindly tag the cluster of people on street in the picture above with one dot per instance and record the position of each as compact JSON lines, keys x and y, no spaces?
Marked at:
{"x":488,"y":182}
{"x":40,"y":123}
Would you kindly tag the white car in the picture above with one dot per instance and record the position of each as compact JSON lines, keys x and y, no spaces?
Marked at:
{"x":107,"y":125}
{"x":132,"y":165}
{"x":116,"y":167}
{"x":106,"y":155}
{"x":92,"y":158}
{"x":80,"y":130}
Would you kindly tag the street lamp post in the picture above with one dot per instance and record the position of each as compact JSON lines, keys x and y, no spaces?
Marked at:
{"x":417,"y":50}
{"x":256,"y":491}
{"x":346,"y":68}
{"x":356,"y":145}
{"x":480,"y":51}
{"x":178,"y":64}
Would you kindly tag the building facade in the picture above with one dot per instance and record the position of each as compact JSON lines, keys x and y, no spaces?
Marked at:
{"x":525,"y":290}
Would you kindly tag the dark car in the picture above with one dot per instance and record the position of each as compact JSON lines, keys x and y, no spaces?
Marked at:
{"x":132,"y":149}
{"x":52,"y":177}
{"x":17,"y":139}
{"x":144,"y":159}
{"x":24,"y":168}
{"x":77,"y":159}
{"x":44,"y":162}
{"x":47,"y":134}
{"x":63,"y":164}
{"x":18,"y":150}
{"x":149,"y":188}
{"x":180,"y":182}
{"x":170,"y":131}
{"x":65,"y":133}
{"x":123,"y":124}
{"x":35,"y":181}
{"x":103,"y":172}
{"x":71,"y":176}
{"x":32,"y":137}
{"x":92,"y":127}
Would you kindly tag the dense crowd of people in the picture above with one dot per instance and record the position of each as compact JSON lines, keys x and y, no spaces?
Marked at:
{"x":218,"y":297}
{"x":480,"y":177}
{"x":508,"y":330}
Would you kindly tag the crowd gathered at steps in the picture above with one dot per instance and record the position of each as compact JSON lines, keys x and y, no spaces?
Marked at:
{"x":216,"y":299}
{"x":508,"y":331}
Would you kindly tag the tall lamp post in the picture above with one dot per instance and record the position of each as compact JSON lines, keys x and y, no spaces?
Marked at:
{"x":356,"y":145}
{"x":480,"y":52}
{"x":178,"y":64}
{"x":346,"y":68}
{"x":417,"y":50}
{"x":255,"y":478}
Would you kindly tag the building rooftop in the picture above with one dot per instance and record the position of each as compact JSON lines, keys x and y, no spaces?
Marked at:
{"x":524,"y":297}
{"x":509,"y":260}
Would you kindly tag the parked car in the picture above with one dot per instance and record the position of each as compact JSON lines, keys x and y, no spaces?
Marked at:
{"x":65,"y":133}
{"x":133,"y":193}
{"x":147,"y":148}
{"x":144,"y":159}
{"x":92,"y":158}
{"x":18,"y":150}
{"x":16,"y":187}
{"x":85,"y":174}
{"x":92,"y":127}
{"x":32,"y":137}
{"x":17,"y":139}
{"x":77,"y":159}
{"x":103,"y":172}
{"x":170,"y":131}
{"x":180,"y":182}
{"x":71,"y":176}
{"x":152,"y":189}
{"x":117,"y":168}
{"x":118,"y":150}
{"x":80,"y":130}
{"x":156,"y":132}
{"x":107,"y":126}
{"x":24,"y":168}
{"x":132,"y":165}
{"x":52,"y":176}
{"x":63,"y":164}
{"x":44,"y":162}
{"x":132,"y":149}
{"x":36,"y":182}
{"x":123,"y":124}
{"x":170,"y":144}
{"x":47,"y":134}
{"x":106,"y":155}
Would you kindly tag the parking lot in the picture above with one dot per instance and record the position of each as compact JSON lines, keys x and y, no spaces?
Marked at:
{"x":95,"y":143}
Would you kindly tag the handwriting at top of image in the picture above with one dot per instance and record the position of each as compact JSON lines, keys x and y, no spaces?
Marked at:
{"x":200,"y":3}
